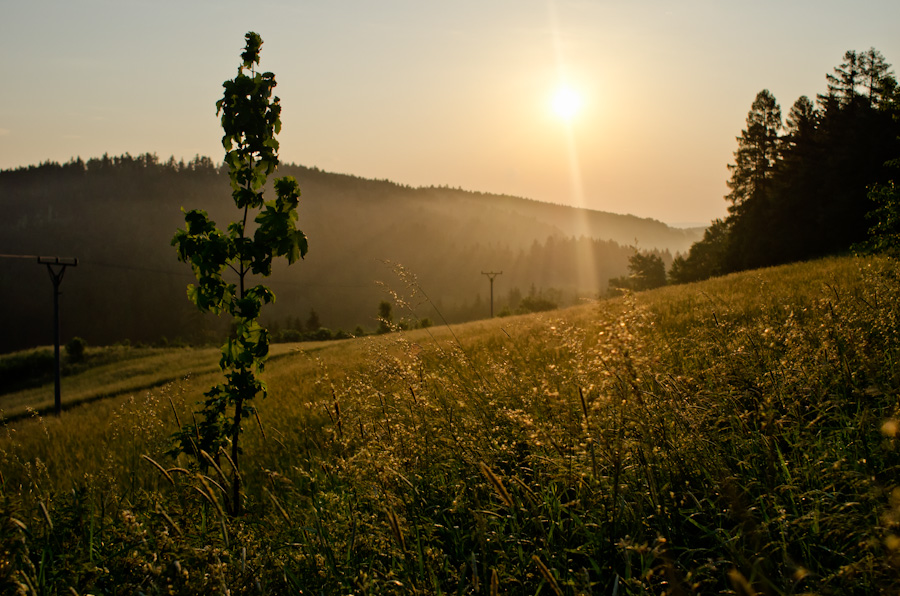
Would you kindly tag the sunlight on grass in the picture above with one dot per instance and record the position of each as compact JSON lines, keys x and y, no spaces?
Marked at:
{"x":735,"y":435}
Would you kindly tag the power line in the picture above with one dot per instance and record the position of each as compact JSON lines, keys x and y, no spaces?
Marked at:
{"x":45,"y":260}
{"x":187,"y":274}
{"x":19,"y":256}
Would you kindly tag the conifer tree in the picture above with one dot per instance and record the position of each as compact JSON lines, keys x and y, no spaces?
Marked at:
{"x":843,"y":83}
{"x":757,"y":151}
{"x":876,"y":77}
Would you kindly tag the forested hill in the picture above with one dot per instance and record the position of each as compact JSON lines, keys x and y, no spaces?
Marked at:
{"x":118,"y":215}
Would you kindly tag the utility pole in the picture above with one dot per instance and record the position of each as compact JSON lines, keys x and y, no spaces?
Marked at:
{"x":56,"y":275}
{"x":491,"y":275}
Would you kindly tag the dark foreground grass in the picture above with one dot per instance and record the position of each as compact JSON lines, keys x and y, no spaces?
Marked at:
{"x":737,"y":436}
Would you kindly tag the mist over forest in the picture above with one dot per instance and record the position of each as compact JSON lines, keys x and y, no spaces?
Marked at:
{"x":802,"y":187}
{"x":117,"y":215}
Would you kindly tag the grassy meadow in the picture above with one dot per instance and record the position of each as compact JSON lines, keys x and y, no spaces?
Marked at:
{"x":109,"y":371}
{"x":736,"y":436}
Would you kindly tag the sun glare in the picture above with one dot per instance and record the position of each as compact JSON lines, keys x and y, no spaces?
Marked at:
{"x":566,"y":103}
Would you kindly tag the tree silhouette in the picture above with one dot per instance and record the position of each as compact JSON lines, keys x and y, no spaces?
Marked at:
{"x":706,"y":258}
{"x":250,"y":119}
{"x":757,"y":151}
{"x":385,"y":317}
{"x":806,"y":194}
{"x":647,"y":271}
{"x":313,"y":323}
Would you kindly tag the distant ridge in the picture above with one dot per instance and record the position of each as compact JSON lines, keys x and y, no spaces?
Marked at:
{"x":555,"y":218}
{"x":118,"y":215}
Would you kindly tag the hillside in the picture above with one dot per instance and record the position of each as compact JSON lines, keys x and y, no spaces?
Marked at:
{"x":118,"y":215}
{"x":733,"y":436}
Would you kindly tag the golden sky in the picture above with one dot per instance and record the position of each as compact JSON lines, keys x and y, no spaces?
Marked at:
{"x":431,"y":93}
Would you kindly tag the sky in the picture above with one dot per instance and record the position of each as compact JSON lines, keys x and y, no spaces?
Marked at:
{"x":436,"y":93}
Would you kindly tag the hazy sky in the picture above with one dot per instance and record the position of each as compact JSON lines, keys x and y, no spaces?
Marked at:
{"x":431,"y":93}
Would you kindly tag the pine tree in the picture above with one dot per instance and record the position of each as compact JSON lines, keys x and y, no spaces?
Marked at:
{"x":876,"y":77}
{"x":758,"y":150}
{"x":842,"y":85}
{"x":313,"y":323}
{"x":800,"y":124}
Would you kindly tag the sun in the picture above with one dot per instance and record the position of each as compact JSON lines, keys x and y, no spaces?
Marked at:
{"x":566,"y":103}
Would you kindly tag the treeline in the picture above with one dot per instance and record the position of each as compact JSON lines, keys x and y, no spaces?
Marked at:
{"x":800,"y":188}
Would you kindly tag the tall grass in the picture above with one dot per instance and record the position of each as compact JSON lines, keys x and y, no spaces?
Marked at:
{"x":735,"y":436}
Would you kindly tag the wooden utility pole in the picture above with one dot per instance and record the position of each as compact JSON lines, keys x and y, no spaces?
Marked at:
{"x":56,"y":275}
{"x":491,"y":275}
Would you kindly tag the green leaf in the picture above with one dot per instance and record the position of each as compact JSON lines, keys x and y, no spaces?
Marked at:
{"x":250,"y":56}
{"x":299,"y":247}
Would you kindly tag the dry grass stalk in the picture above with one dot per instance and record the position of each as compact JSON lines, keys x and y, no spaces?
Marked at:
{"x":161,"y":469}
{"x":174,"y":411}
{"x":584,"y":408}
{"x":277,"y":505}
{"x":497,"y":484}
{"x":528,"y":492}
{"x":213,"y":463}
{"x":340,"y":422}
{"x":259,"y":423}
{"x":740,"y":583}
{"x":545,"y":572}
{"x":208,"y":495}
{"x":395,"y":529}
{"x":18,"y":523}
{"x":337,"y":413}
{"x":234,"y":469}
{"x":165,"y":515}
{"x":46,"y":514}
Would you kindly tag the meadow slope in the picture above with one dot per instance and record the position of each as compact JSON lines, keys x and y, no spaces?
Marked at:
{"x":733,"y":436}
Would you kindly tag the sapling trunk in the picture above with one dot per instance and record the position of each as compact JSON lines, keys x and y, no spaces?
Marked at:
{"x":235,"y":434}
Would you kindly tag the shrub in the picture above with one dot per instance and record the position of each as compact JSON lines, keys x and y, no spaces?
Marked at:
{"x":290,"y":336}
{"x":75,"y":350}
{"x":321,"y":334}
{"x":535,"y":304}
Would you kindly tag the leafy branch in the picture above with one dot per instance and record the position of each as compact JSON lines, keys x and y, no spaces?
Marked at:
{"x":251,"y":118}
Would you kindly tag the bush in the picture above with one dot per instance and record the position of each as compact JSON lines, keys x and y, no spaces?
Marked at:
{"x":290,"y":336}
{"x":535,"y":304}
{"x":884,"y":235}
{"x":75,"y":350}
{"x":322,"y":334}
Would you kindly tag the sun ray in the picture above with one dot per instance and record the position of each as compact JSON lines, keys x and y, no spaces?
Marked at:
{"x":566,"y":104}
